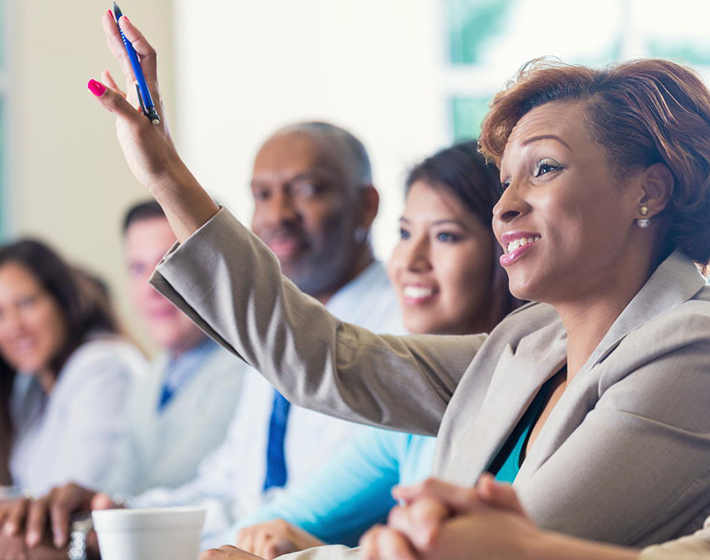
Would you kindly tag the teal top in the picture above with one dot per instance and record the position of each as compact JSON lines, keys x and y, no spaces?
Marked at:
{"x":507,"y":463}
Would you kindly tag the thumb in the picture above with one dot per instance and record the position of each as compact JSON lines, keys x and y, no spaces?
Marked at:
{"x":102,"y":501}
{"x":499,"y":495}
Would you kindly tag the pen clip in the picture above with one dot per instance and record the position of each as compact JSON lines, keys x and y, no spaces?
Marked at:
{"x":151,"y":113}
{"x":140,"y":100}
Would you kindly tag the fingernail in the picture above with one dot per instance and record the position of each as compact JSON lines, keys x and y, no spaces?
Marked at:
{"x":97,"y":88}
{"x":59,"y":538}
{"x":32,"y":538}
{"x":9,"y":528}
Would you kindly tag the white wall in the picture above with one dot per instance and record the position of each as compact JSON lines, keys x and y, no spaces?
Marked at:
{"x":68,"y":182}
{"x":246,"y":68}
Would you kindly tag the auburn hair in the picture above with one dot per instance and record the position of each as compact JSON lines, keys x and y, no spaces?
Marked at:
{"x":641,"y":112}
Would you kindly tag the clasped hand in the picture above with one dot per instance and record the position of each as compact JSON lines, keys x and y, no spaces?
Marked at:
{"x":437,"y":520}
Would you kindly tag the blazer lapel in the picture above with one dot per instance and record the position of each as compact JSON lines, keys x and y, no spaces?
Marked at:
{"x":674,"y":282}
{"x":536,"y":359}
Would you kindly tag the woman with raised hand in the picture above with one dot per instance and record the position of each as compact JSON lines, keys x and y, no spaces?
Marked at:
{"x":594,"y":398}
{"x":66,"y":369}
{"x":446,"y":272}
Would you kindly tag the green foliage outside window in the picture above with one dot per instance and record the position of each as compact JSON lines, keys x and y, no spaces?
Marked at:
{"x":466,"y":116}
{"x":470,"y":23}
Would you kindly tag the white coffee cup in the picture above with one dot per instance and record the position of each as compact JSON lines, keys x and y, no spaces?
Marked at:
{"x":149,"y":534}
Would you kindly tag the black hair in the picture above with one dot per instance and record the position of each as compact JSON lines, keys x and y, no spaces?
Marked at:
{"x":82,"y":297}
{"x":463,"y":171}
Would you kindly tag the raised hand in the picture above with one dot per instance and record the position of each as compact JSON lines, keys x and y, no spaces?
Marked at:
{"x":149,"y":149}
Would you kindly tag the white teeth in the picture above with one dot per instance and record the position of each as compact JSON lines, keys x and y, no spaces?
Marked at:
{"x":513,"y":245}
{"x":417,"y":292}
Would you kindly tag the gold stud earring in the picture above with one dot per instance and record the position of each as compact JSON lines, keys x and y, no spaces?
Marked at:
{"x":645,"y":222}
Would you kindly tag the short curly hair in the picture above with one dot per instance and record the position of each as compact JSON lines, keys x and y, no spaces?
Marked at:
{"x":641,"y":112}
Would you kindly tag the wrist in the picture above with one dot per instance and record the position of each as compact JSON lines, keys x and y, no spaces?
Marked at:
{"x":175,"y":178}
{"x":539,"y":545}
{"x":555,"y":546}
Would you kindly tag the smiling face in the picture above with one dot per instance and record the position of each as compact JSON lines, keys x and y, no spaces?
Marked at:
{"x":566,"y":217}
{"x":442,"y":265}
{"x":32,"y":325}
{"x":146,"y":242}
{"x":307,"y":209}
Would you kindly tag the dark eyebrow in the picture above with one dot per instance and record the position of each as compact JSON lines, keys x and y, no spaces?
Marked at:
{"x":547,"y":137}
{"x":404,"y":220}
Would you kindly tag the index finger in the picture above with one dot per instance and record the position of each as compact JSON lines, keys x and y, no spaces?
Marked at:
{"x":67,"y":500}
{"x":457,"y":498}
{"x":116,"y":46}
{"x":145,"y":51}
{"x":36,"y":522}
{"x":420,"y":521}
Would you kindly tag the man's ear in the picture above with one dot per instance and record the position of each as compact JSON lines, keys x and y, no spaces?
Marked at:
{"x":370,"y":199}
{"x":656,"y":185}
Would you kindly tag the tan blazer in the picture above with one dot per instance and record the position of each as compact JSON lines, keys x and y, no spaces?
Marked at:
{"x":623,"y":458}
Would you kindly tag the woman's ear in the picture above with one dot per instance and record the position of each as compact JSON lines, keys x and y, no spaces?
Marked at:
{"x":657,"y":187}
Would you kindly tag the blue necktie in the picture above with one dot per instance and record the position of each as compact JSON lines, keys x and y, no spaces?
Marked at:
{"x":276,"y":472}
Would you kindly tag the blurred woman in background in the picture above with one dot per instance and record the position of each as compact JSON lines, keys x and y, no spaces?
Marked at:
{"x":65,"y":370}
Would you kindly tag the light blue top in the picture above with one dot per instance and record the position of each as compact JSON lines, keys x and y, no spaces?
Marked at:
{"x":352,"y":491}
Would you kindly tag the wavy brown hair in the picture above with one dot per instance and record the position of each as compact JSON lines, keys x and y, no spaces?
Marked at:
{"x":641,"y":112}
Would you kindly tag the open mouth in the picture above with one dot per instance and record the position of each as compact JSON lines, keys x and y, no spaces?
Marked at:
{"x":417,"y":294}
{"x":521,"y":242}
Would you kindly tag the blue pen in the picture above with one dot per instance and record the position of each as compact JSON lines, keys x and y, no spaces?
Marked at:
{"x":144,"y":97}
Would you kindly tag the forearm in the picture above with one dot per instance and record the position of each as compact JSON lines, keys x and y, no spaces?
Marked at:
{"x":230,"y":284}
{"x":186,"y":204}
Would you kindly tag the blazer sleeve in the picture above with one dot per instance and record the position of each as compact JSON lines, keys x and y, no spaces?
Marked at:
{"x":693,"y":547}
{"x":231,"y":285}
{"x":643,"y":447}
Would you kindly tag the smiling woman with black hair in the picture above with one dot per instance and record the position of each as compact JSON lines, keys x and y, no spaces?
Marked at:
{"x":65,"y":368}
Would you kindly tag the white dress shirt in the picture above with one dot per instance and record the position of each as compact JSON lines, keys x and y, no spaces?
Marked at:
{"x":231,"y":478}
{"x":164,"y":447}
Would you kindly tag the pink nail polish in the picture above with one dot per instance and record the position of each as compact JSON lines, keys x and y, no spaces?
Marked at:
{"x":97,"y":88}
